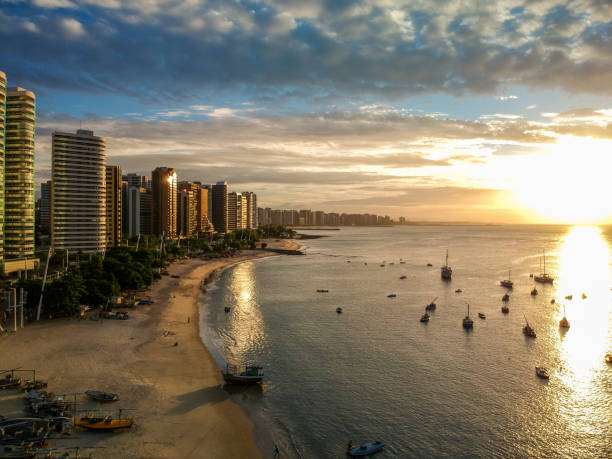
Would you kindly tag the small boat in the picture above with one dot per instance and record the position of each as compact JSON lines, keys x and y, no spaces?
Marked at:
{"x":424,"y":318}
{"x":446,"y":271}
{"x":543,"y":278}
{"x":458,"y":291}
{"x":10,"y":382}
{"x":534,"y":292}
{"x":531,"y":276}
{"x":250,"y":375}
{"x":339,"y":310}
{"x":227,"y":309}
{"x":382,"y":266}
{"x":481,"y":315}
{"x":102,"y":396}
{"x":505,"y":309}
{"x":431,"y":306}
{"x":402,"y":277}
{"x":552,"y":301}
{"x":506,"y":297}
{"x":527,"y":330}
{"x":507,"y":282}
{"x":564,"y":323}
{"x":103,"y":423}
{"x":569,"y":297}
{"x":366,"y":449}
{"x":402,"y":262}
{"x":429,"y":264}
{"x":322,"y":290}
{"x":584,"y":296}
{"x":348,"y":261}
{"x":391,"y":295}
{"x":609,"y":357}
{"x":542,"y":372}
{"x":467,"y":322}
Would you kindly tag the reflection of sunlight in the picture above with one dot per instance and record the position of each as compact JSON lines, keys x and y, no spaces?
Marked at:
{"x":584,"y":267}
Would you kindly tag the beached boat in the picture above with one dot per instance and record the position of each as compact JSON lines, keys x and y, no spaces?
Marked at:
{"x":366,"y":449}
{"x":102,"y":396}
{"x":507,"y":282}
{"x":19,"y":454}
{"x":339,"y":310}
{"x":425,"y":318}
{"x":103,"y":423}
{"x":527,"y":330}
{"x":10,"y":382}
{"x":446,"y":271}
{"x":391,"y":295}
{"x":506,"y":297}
{"x":467,"y":322}
{"x":481,"y":315}
{"x":250,"y":375}
{"x":543,"y":278}
{"x":564,"y":323}
{"x":542,"y":372}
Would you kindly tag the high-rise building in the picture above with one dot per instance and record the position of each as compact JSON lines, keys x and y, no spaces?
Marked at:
{"x":78,"y":191}
{"x":202,"y":210}
{"x":140,"y":181}
{"x":139,"y":216}
{"x":114,"y":210}
{"x":232,"y":210}
{"x":19,"y":191}
{"x":188,"y":208}
{"x":44,"y":220}
{"x":251,"y":209}
{"x":219,"y":207}
{"x":2,"y":117}
{"x":164,"y":202}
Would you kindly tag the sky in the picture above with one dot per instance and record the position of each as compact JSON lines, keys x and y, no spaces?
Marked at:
{"x":436,"y":110}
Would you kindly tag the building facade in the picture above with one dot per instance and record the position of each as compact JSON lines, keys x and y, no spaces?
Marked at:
{"x":188,"y":208}
{"x":164,"y":202}
{"x":140,"y":181}
{"x":78,"y":192}
{"x":45,"y":207}
{"x":2,"y":121}
{"x":114,"y":208}
{"x":251,"y":209}
{"x":139,"y":213}
{"x":19,"y":212}
{"x":202,"y":210}
{"x":220,"y":207}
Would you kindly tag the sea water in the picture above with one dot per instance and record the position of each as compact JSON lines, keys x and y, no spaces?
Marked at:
{"x":375,"y":372}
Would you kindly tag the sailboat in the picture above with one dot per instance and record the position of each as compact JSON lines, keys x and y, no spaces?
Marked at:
{"x":507,"y":282}
{"x":446,"y":270}
{"x":544,"y":278}
{"x":467,"y":322}
{"x":527,"y":330}
{"x":564,"y":323}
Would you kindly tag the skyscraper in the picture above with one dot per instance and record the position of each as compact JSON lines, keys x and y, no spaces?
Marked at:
{"x":19,"y":174}
{"x":164,"y":202}
{"x":232,"y":211}
{"x":78,"y":217}
{"x":219,"y":205}
{"x":114,"y":208}
{"x":2,"y":116}
{"x":251,"y":209}
{"x":139,"y":205}
{"x":141,"y":181}
{"x":45,"y":207}
{"x":188,"y":208}
{"x":202,"y":210}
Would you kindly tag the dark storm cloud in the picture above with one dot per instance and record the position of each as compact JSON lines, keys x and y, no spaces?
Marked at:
{"x":159,"y":49}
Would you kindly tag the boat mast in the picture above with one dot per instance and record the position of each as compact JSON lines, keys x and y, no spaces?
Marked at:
{"x":446,"y":258}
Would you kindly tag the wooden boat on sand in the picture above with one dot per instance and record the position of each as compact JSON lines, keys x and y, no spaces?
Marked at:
{"x":102,"y":396}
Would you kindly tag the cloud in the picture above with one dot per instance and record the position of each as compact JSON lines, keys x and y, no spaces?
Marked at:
{"x":72,"y":28}
{"x":506,"y":97}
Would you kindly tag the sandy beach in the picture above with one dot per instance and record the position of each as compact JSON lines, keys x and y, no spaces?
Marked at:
{"x":174,"y":392}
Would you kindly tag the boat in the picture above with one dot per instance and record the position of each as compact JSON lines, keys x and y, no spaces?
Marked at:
{"x":339,"y":310}
{"x":481,"y":315}
{"x":102,"y":396}
{"x":10,"y":382}
{"x":402,"y":277}
{"x":458,"y":291}
{"x":527,"y":330}
{"x":431,"y":306}
{"x":564,"y":323}
{"x":391,"y":295}
{"x":542,"y":372}
{"x":534,"y":292}
{"x":424,"y":318}
{"x":250,"y":375}
{"x":103,"y":423}
{"x":366,"y":449}
{"x":467,"y":322}
{"x":609,"y":357}
{"x":552,"y":301}
{"x":322,"y":290}
{"x":429,"y":264}
{"x":446,"y":272}
{"x":584,"y":296}
{"x":227,"y":309}
{"x":506,"y":297}
{"x":382,"y":266}
{"x":507,"y":282}
{"x":505,"y":309}
{"x":569,"y":297}
{"x":402,"y":262}
{"x":544,"y":278}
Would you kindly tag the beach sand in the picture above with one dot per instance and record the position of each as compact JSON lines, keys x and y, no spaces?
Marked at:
{"x":174,"y":393}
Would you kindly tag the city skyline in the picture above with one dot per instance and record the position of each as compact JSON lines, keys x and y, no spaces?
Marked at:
{"x":437,"y":111}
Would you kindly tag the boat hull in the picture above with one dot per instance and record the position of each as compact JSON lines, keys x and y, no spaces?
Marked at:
{"x":232,"y":379}
{"x":103,"y":425}
{"x":366,"y":450}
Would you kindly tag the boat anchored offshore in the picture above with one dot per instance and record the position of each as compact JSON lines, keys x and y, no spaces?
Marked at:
{"x":431,"y":306}
{"x":505,"y":309}
{"x":544,"y":278}
{"x":339,"y":310}
{"x":391,"y":295}
{"x":527,"y":330}
{"x":564,"y":323}
{"x":506,"y":297}
{"x":250,"y":375}
{"x":366,"y":449}
{"x":534,"y":292}
{"x":425,"y":317}
{"x":446,"y":272}
{"x":542,"y":372}
{"x":467,"y":322}
{"x":481,"y":315}
{"x":507,"y":282}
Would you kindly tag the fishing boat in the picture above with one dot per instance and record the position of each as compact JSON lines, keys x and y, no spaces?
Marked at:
{"x":227,"y":309}
{"x":534,"y":292}
{"x":339,"y":310}
{"x":542,"y":372}
{"x":458,"y":291}
{"x":431,"y":306}
{"x":544,"y":278}
{"x":102,"y":396}
{"x":10,"y":382}
{"x":507,"y":282}
{"x":467,"y":322}
{"x":391,"y":295}
{"x":250,"y":375}
{"x":18,"y":454}
{"x":322,"y":290}
{"x":424,"y":318}
{"x":429,"y":265}
{"x":527,"y":330}
{"x":564,"y":323}
{"x":506,"y":297}
{"x":481,"y":315}
{"x":505,"y":309}
{"x":402,"y":277}
{"x":366,"y":449}
{"x":100,"y":423}
{"x":446,"y":272}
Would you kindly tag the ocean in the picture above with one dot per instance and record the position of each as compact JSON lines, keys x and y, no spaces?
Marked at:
{"x":375,"y":372}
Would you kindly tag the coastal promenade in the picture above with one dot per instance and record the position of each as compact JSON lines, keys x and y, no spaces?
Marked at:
{"x":157,"y":364}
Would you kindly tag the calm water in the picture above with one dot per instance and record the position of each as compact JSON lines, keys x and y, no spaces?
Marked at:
{"x":376,"y":373}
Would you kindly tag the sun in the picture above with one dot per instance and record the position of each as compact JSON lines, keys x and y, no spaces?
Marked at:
{"x":569,"y":183}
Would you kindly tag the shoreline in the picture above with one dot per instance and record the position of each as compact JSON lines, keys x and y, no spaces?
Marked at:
{"x":174,"y":392}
